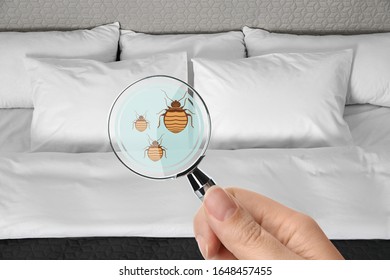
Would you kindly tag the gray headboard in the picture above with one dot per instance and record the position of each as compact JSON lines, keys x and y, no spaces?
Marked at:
{"x":173,"y":16}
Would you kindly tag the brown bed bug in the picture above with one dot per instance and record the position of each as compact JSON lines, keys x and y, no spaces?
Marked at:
{"x":175,"y":117}
{"x":155,"y":151}
{"x":140,"y":123}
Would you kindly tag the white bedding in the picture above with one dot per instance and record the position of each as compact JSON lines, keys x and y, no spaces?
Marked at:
{"x":366,"y":122}
{"x":346,"y":189}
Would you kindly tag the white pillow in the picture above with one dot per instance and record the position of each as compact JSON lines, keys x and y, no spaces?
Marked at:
{"x":276,"y":100}
{"x":100,"y":43}
{"x":72,"y":98}
{"x":370,"y":77}
{"x":226,"y":45}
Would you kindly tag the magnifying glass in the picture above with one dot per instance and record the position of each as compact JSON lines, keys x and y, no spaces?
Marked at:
{"x":159,"y":128}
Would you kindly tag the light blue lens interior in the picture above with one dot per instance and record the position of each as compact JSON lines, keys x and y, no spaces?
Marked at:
{"x":158,"y":152}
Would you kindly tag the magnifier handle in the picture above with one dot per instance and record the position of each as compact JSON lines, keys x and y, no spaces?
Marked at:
{"x":200,"y":182}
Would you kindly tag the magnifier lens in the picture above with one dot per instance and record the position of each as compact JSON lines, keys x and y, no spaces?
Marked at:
{"x":159,"y":127}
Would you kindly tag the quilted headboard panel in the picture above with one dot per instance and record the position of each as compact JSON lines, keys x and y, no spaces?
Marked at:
{"x":172,"y":16}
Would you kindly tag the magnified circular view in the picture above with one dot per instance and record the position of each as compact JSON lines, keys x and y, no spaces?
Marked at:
{"x":159,"y":127}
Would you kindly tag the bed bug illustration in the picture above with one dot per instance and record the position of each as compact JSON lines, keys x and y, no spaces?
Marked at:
{"x":175,"y":117}
{"x":155,"y":150}
{"x":140,"y":123}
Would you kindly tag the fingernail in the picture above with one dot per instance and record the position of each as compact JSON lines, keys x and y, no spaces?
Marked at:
{"x":219,"y":204}
{"x":202,"y":246}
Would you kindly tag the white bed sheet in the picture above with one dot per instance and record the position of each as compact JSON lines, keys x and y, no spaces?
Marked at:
{"x":347,"y":190}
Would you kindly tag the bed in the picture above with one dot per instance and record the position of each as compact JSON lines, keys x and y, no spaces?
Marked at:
{"x":84,"y":204}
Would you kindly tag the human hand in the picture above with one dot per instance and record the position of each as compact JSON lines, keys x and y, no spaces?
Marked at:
{"x":240,"y":224}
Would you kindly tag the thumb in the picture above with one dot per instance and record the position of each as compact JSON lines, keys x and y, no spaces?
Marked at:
{"x":238,"y":231}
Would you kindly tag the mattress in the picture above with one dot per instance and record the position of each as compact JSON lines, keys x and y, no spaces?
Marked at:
{"x":81,"y":197}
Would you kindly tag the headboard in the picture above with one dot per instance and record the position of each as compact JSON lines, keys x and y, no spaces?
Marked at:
{"x":192,"y":16}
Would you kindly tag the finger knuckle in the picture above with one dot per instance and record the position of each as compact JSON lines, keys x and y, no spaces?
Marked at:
{"x":306,"y":223}
{"x":307,"y":220}
{"x":231,"y":190}
{"x":249,"y":233}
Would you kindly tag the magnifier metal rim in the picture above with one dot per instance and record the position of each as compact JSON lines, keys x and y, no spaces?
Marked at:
{"x":196,"y":161}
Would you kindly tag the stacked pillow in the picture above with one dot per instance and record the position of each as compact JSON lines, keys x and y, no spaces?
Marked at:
{"x":72,"y":97}
{"x":292,"y":90}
